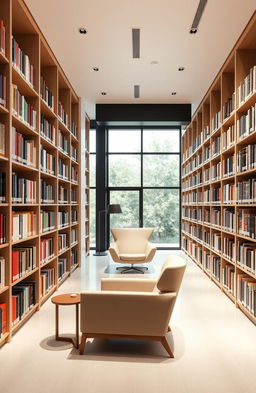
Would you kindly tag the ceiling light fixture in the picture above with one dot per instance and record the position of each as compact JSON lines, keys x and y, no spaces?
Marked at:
{"x":198,"y":16}
{"x":136,"y":43}
{"x":154,"y":62}
{"x":136,"y":91}
{"x":174,"y":93}
{"x":82,"y":30}
{"x":181,"y":68}
{"x":103,"y":93}
{"x":95,"y":69}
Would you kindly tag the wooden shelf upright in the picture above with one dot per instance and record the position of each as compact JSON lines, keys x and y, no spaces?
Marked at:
{"x":219,"y":180}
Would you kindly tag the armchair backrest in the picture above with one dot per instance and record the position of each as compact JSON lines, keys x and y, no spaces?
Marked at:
{"x":131,"y":240}
{"x":171,"y":274}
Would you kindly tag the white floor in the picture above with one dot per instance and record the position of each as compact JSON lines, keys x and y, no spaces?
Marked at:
{"x":214,"y":346}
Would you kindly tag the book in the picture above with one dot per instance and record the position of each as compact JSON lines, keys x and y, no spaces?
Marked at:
{"x":2,"y":228}
{"x":63,"y":217}
{"x":63,"y":143}
{"x":24,"y":294}
{"x":74,"y":258}
{"x":46,"y":280}
{"x":46,"y":249}
{"x":47,"y":130}
{"x":247,"y":86}
{"x":63,"y":116}
{"x":2,"y":139}
{"x":23,"y":190}
{"x":63,"y":169}
{"x":47,"y":161}
{"x":63,"y":241}
{"x":47,"y":221}
{"x":63,"y":195}
{"x":23,"y":148}
{"x":2,"y":272}
{"x":2,"y":89}
{"x":47,"y":192}
{"x":46,"y":94}
{"x":62,"y":267}
{"x":2,"y":187}
{"x":73,"y":236}
{"x":23,"y":261}
{"x":3,"y":319}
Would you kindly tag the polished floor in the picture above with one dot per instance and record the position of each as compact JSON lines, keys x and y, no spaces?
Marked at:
{"x":214,"y":346}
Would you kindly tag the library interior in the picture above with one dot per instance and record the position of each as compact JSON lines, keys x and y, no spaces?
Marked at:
{"x":127,"y":196}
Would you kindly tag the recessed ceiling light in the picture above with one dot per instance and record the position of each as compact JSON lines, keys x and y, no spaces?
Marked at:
{"x":103,"y":93}
{"x":154,"y":62}
{"x":82,"y":30}
{"x":174,"y":93}
{"x":95,"y":69}
{"x":181,"y":68}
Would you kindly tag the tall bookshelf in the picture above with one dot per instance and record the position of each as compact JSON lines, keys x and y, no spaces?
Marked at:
{"x":40,"y":158}
{"x":87,"y":185}
{"x":218,"y":178}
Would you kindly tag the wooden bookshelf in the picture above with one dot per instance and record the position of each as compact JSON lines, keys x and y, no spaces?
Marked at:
{"x":216,"y":231}
{"x":87,"y":185}
{"x":44,"y":89}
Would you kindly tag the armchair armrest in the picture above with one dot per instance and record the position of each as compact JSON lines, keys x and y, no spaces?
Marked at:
{"x":127,"y":284}
{"x":114,"y":252}
{"x":126,"y":313}
{"x":150,"y":252}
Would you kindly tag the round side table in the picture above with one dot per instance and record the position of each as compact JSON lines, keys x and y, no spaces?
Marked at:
{"x":66,"y":300}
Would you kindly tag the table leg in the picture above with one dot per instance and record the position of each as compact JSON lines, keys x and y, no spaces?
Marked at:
{"x":77,"y":325}
{"x":57,"y":321}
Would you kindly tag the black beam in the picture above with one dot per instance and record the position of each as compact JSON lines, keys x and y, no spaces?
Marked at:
{"x":173,"y":113}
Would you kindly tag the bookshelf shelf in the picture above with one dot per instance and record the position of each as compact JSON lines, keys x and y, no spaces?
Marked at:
{"x":219,"y":176}
{"x":27,"y":128}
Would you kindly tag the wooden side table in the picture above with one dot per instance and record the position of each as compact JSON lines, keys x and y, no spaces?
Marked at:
{"x":66,"y":300}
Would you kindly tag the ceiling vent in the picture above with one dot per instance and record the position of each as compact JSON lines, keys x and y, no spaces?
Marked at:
{"x":136,"y":43}
{"x":198,"y":16}
{"x":136,"y":91}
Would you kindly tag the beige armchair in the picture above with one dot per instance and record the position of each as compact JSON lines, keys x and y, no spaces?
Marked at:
{"x":132,"y":247}
{"x":133,"y":308}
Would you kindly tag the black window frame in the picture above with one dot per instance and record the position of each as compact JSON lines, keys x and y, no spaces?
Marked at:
{"x":141,"y":187}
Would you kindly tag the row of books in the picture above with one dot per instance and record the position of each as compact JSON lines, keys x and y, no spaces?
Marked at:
{"x":213,"y":217}
{"x":247,"y":87}
{"x":2,"y":271}
{"x":216,"y":171}
{"x":216,"y":241}
{"x":23,"y":261}
{"x":2,"y":36}
{"x":74,"y":258}
{"x":47,"y":280}
{"x":74,"y":216}
{"x":47,"y":161}
{"x":228,"y":277}
{"x":74,"y":175}
{"x":2,"y":228}
{"x":23,"y":190}
{"x":46,"y":249}
{"x":74,"y":236}
{"x":63,"y":142}
{"x":62,"y":114}
{"x":22,"y":63}
{"x":2,"y":89}
{"x":246,"y":256}
{"x":216,"y":145}
{"x":63,"y":218}
{"x":216,"y":121}
{"x":46,"y":93}
{"x":63,"y":194}
{"x":229,"y":248}
{"x":228,"y":137}
{"x":229,"y":220}
{"x":48,"y":130}
{"x":47,"y":221}
{"x":247,"y":123}
{"x":23,"y":148}
{"x":2,"y":187}
{"x":74,"y":128}
{"x":247,"y":222}
{"x":62,"y":267}
{"x":73,"y":195}
{"x":63,"y":241}
{"x":22,"y":108}
{"x":229,"y":193}
{"x":74,"y":153}
{"x":23,"y":224}
{"x":3,"y":319}
{"x":23,"y":299}
{"x":2,"y":139}
{"x":229,"y":166}
{"x":246,"y":158}
{"x":215,"y":267}
{"x":47,"y":192}
{"x":229,"y":106}
{"x":246,"y":292}
{"x":63,"y":169}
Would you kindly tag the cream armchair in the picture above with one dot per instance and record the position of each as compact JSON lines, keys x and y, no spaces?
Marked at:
{"x":133,"y":308}
{"x":132,"y":247}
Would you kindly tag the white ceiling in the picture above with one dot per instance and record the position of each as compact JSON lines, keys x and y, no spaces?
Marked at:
{"x":165,"y":38}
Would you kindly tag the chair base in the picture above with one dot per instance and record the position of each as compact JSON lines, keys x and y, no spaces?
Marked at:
{"x":125,"y":269}
{"x":161,"y":339}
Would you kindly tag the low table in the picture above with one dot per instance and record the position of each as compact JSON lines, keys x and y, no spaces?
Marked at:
{"x":66,"y":300}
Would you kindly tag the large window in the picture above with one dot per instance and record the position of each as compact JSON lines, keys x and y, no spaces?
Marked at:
{"x":144,"y":178}
{"x":92,"y":188}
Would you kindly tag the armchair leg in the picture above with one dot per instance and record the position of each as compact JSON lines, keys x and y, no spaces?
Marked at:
{"x":82,"y":344}
{"x":167,"y":346}
{"x":125,"y":269}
